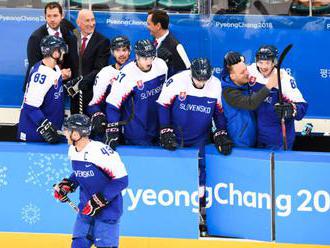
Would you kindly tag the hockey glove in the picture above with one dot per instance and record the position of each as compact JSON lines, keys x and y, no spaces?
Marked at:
{"x":99,"y":123}
{"x":94,"y":205}
{"x":48,"y":132}
{"x":222,"y":142}
{"x":285,"y":110}
{"x":232,"y":58}
{"x":74,"y":86}
{"x":168,"y":139}
{"x":164,"y":54}
{"x":62,"y":189}
{"x":112,"y":135}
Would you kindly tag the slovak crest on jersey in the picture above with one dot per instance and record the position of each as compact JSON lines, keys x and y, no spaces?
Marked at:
{"x":140,"y":84}
{"x":182,"y":96}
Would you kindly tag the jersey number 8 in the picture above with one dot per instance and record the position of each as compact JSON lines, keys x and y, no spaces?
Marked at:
{"x":38,"y":78}
{"x":293,"y":83}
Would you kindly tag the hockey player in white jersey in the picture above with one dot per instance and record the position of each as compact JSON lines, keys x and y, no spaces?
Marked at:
{"x":270,"y":112}
{"x":120,"y":49}
{"x":188,"y":103}
{"x":137,"y":87}
{"x":42,"y":111}
{"x":101,"y":176}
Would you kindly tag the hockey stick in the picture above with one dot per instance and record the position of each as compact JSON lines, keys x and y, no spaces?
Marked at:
{"x":261,"y":7}
{"x":71,"y":203}
{"x":272,"y":188}
{"x":78,"y":36}
{"x":80,"y":102}
{"x":278,"y":67}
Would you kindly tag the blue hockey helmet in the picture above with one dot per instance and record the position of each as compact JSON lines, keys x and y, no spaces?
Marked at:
{"x":80,"y":123}
{"x":120,"y":41}
{"x":201,"y":69}
{"x":50,"y":43}
{"x":267,"y":52}
{"x":145,"y":48}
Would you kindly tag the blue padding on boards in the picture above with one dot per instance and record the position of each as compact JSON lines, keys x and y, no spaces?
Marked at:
{"x":303,"y":192}
{"x":161,"y":200}
{"x":240,"y":190}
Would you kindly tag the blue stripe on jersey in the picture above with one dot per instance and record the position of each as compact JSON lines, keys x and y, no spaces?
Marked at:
{"x":192,"y":117}
{"x":268,"y":123}
{"x":91,"y":180}
{"x":92,"y":109}
{"x":144,"y":127}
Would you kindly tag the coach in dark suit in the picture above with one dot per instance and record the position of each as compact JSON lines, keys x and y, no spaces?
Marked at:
{"x":55,"y":25}
{"x":168,"y":47}
{"x":92,"y":54}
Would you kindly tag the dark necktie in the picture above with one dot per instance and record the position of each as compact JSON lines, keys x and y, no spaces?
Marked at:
{"x":83,"y":45}
{"x":155,"y":43}
{"x":57,"y":34}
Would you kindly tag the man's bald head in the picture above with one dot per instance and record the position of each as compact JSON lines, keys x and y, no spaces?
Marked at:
{"x":86,"y":21}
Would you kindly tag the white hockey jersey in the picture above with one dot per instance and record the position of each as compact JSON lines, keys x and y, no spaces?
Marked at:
{"x":101,"y":89}
{"x":144,"y":88}
{"x":269,"y":134}
{"x":43,"y":99}
{"x":99,"y":169}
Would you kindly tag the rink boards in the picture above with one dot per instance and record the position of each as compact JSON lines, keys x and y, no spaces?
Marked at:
{"x":161,"y":202}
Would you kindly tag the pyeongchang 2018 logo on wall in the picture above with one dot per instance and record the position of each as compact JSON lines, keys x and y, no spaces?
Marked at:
{"x":228,"y":194}
{"x":21,"y":18}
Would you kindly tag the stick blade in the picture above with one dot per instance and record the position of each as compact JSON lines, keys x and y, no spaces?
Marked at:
{"x":283,"y":54}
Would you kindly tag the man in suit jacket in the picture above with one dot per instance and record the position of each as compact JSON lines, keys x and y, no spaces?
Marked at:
{"x":168,"y":48}
{"x":55,"y":25}
{"x":92,"y":54}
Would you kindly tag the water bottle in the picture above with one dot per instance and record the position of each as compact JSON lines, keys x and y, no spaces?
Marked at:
{"x":307,"y":130}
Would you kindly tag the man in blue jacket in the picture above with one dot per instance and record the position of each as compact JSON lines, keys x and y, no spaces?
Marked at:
{"x":238,"y":102}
